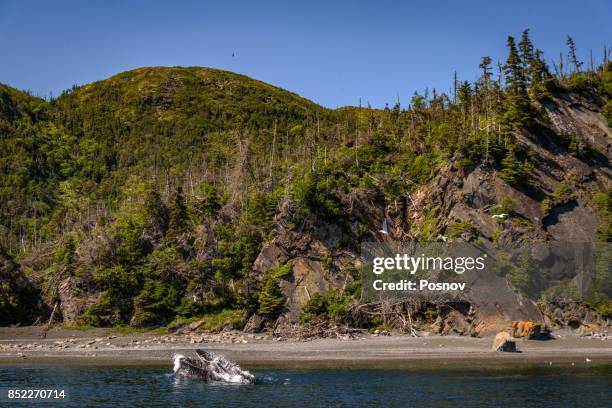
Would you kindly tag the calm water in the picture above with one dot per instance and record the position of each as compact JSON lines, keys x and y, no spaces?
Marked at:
{"x":156,"y":386}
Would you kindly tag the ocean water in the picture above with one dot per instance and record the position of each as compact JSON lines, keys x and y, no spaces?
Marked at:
{"x":156,"y":386}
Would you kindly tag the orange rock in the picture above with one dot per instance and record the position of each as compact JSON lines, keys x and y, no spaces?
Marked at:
{"x":527,"y":329}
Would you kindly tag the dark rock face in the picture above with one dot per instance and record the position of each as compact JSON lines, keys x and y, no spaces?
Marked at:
{"x":581,"y":114}
{"x":572,"y":222}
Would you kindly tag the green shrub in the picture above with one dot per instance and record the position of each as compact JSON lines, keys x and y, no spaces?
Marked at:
{"x":316,"y":306}
{"x":65,"y":255}
{"x":211,"y":200}
{"x":607,"y":112}
{"x":570,"y":143}
{"x":431,"y":312}
{"x":178,"y":214}
{"x":604,"y":308}
{"x":416,"y":168}
{"x":496,"y":234}
{"x":603,"y":203}
{"x":545,"y":206}
{"x":363,"y":232}
{"x":505,"y":206}
{"x":562,"y":194}
{"x":458,"y":228}
{"x":376,"y":322}
{"x":233,"y":317}
{"x":327,"y":306}
{"x":580,"y":81}
{"x":516,"y":166}
{"x":337,"y":306}
{"x":520,"y":273}
{"x":429,"y":227}
{"x":271,"y":299}
{"x":115,"y":305}
{"x":312,"y":194}
{"x":235,"y":252}
{"x":155,"y":304}
{"x":327,"y":263}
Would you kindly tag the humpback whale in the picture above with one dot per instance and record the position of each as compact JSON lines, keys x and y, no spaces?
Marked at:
{"x":211,"y":367}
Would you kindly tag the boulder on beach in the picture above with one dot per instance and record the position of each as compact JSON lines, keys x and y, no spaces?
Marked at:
{"x":503,"y":342}
{"x":197,"y":324}
{"x":526,"y":329}
{"x":255,"y":324}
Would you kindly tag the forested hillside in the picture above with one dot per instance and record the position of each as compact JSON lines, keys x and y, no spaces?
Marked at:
{"x":161,"y":195}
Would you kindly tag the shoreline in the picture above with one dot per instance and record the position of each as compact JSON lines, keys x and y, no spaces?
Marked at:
{"x":22,"y":346}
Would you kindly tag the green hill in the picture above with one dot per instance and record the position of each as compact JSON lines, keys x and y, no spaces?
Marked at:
{"x":165,"y":194}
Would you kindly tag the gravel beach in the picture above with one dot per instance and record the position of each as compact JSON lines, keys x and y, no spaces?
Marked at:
{"x":108,"y":347}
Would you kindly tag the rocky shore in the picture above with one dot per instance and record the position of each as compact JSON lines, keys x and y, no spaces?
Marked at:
{"x":103,"y":346}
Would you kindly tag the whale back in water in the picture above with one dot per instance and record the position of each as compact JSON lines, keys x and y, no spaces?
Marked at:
{"x":211,"y":367}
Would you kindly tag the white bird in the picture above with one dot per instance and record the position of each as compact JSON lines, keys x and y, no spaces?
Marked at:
{"x":502,"y":216}
{"x":550,"y":363}
{"x":588,"y":360}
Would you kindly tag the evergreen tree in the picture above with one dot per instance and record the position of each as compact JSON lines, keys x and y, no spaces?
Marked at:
{"x":511,"y":167}
{"x":541,"y":79}
{"x":465,"y":93}
{"x":526,"y":54}
{"x":156,"y":212}
{"x":516,"y":165}
{"x":271,"y":298}
{"x":514,"y":73}
{"x":178,"y":214}
{"x":572,"y":54}
{"x":485,"y":65}
{"x":518,"y":108}
{"x":211,"y":202}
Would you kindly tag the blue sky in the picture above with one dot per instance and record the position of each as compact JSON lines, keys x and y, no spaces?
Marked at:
{"x":333,"y":53}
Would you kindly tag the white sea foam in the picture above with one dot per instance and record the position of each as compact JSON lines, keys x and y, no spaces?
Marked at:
{"x":177,"y":361}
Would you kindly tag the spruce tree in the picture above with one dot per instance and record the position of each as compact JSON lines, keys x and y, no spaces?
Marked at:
{"x":178,"y":214}
{"x":518,"y":108}
{"x":511,"y":167}
{"x":526,"y":54}
{"x":464,"y":93}
{"x":515,"y":77}
{"x":156,"y":212}
{"x":271,"y":298}
{"x":541,"y":79}
{"x":572,"y":54}
{"x":485,"y":65}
